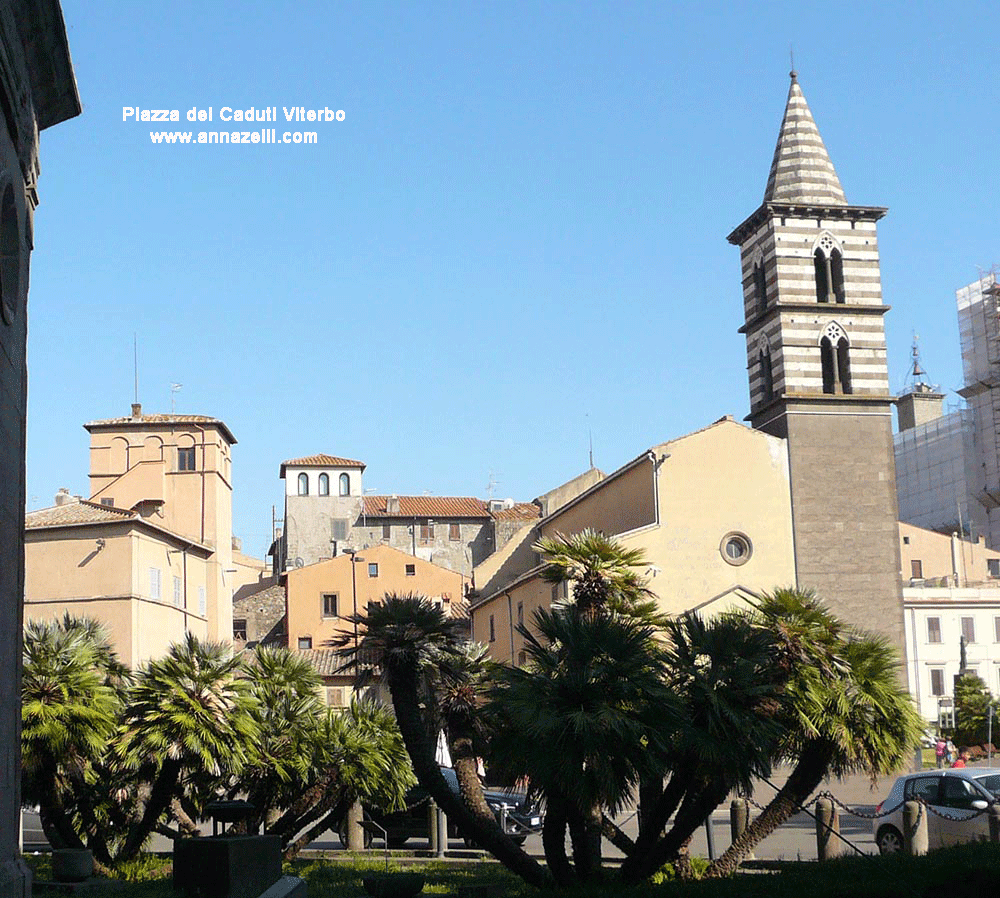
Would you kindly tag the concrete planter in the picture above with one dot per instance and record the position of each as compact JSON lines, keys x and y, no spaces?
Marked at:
{"x":72,"y":864}
{"x":393,"y":885}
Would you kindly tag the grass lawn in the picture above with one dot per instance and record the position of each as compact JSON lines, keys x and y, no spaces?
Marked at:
{"x":967,"y":871}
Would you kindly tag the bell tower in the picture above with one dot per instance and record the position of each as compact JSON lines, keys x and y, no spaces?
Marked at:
{"x":818,"y":377}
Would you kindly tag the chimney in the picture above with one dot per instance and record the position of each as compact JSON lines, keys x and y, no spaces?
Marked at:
{"x":63,"y":497}
{"x":392,"y":505}
{"x":136,"y":410}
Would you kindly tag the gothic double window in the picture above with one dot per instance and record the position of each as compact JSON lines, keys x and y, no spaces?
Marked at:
{"x":828,"y":263}
{"x":766,"y":369}
{"x":760,"y":284}
{"x":834,"y":352}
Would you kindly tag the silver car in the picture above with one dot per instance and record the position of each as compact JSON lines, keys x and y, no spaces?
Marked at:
{"x":963,"y":793}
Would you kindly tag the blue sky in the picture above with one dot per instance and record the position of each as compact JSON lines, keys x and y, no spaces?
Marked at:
{"x":516,"y":236}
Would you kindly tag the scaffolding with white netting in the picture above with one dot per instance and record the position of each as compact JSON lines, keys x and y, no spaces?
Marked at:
{"x":979,"y":335}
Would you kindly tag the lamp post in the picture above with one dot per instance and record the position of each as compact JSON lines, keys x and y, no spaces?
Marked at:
{"x":353,"y":553}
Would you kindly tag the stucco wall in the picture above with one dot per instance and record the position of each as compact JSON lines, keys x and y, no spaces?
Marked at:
{"x":306,"y":587}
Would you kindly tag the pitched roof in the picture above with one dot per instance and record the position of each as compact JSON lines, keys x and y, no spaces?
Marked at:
{"x":321,"y":461}
{"x":327,"y":662}
{"x":521,"y":511}
{"x":427,"y":507}
{"x":801,"y":171}
{"x":76,"y":512}
{"x":140,"y":421}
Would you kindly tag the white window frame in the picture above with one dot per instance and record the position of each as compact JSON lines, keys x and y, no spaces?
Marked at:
{"x":155,"y":583}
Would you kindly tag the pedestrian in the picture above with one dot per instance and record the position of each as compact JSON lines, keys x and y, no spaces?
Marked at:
{"x":940,"y":747}
{"x":950,"y":748}
{"x":962,"y":758}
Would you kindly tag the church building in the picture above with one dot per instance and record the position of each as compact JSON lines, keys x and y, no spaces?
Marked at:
{"x":806,"y":495}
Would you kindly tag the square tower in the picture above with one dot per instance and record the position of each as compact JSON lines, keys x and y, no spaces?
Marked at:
{"x":816,"y":362}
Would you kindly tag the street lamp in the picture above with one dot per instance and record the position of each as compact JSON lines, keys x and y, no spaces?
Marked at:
{"x":353,"y":553}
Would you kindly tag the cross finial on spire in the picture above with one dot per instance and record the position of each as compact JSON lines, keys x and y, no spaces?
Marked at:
{"x":791,"y":55}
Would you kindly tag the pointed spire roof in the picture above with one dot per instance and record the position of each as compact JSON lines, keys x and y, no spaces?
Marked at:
{"x":801,"y":171}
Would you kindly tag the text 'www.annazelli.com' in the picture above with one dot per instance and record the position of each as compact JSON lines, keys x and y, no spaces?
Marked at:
{"x":264,"y":135}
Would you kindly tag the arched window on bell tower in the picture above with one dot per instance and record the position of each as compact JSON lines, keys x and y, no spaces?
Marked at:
{"x":844,"y":365}
{"x":766,"y":370}
{"x":760,"y":284}
{"x":834,"y":353}
{"x":828,"y":266}
{"x":837,"y":270}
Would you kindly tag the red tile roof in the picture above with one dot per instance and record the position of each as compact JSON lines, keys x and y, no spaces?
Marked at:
{"x":141,"y":421}
{"x":427,"y":507}
{"x":522,"y":511}
{"x":321,"y":461}
{"x":77,"y":512}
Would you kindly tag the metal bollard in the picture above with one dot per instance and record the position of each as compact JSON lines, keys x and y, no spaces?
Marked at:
{"x":994,"y":818}
{"x":739,"y":817}
{"x":828,"y":843}
{"x":442,"y":829}
{"x":915,"y":839}
{"x":432,"y":826}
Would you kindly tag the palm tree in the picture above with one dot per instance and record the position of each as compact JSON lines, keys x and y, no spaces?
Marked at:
{"x":601,"y":570}
{"x":72,"y":692}
{"x":189,"y":712}
{"x":723,"y":673}
{"x":848,"y":711}
{"x":585,"y":721}
{"x":311,"y":762}
{"x":403,"y":634}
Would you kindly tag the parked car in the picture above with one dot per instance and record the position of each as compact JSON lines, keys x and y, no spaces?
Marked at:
{"x":957,"y":792}
{"x":521,"y":816}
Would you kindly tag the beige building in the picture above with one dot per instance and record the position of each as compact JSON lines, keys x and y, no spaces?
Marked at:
{"x":322,"y":598}
{"x":952,"y":601}
{"x":151,"y":553}
{"x":37,"y":91}
{"x":148,"y":586}
{"x":711,"y":510}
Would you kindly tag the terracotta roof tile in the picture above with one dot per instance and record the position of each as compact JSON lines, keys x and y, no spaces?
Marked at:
{"x":522,"y":511}
{"x":146,"y":420}
{"x":321,"y":461}
{"x":426,"y":507}
{"x":326,"y":661}
{"x":79,"y":512}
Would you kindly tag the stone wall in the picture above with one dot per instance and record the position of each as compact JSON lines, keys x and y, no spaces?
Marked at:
{"x":844,"y":515}
{"x":37,"y":90}
{"x":262,"y":610}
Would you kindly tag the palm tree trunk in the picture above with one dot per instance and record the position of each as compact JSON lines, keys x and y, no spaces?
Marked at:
{"x":160,"y":794}
{"x":807,"y":774}
{"x":554,"y":841}
{"x":613,"y":833}
{"x":327,"y":822}
{"x":471,"y":822}
{"x":656,"y":817}
{"x":585,"y":833}
{"x":702,"y":797}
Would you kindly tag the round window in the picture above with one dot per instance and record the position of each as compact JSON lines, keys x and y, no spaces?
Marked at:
{"x":736,"y":548}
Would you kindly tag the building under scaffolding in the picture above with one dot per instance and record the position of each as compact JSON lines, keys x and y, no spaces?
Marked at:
{"x":979,"y":333}
{"x":948,"y":465}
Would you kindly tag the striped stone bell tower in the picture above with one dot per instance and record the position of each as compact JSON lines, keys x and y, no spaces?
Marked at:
{"x":816,"y":361}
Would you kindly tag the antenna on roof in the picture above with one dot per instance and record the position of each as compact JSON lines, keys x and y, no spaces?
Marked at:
{"x":135,"y":357}
{"x":174,"y":390}
{"x":590,"y":438}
